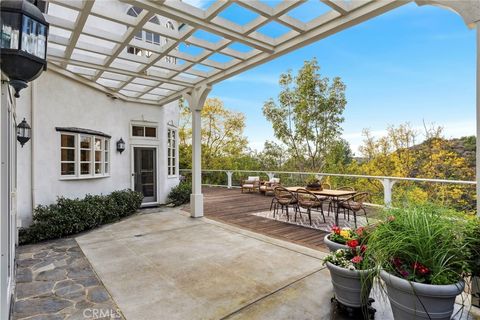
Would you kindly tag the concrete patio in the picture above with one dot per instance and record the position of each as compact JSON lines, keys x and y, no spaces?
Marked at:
{"x":162,"y":264}
{"x":167,"y":265}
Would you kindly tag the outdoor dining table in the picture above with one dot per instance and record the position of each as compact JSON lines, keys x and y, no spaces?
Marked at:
{"x":331,"y":193}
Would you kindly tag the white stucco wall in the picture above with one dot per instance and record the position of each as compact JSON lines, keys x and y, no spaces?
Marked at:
{"x":62,"y":102}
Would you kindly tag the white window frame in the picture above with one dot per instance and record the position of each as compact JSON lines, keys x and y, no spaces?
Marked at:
{"x":105,"y":152}
{"x":172,"y":153}
{"x":144,"y":125}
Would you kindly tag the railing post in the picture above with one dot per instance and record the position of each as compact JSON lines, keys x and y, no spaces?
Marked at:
{"x":229,"y":179}
{"x":387,"y":191}
{"x":270,"y":175}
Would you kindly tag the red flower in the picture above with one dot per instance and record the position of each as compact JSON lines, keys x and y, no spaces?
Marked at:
{"x":397,"y":262}
{"x":357,"y":259}
{"x":359,"y":231}
{"x":336,"y":229}
{"x":363,"y":248}
{"x":352,"y":243}
{"x":420,"y":269}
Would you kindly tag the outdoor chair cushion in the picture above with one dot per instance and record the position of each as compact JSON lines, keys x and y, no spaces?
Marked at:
{"x":248,"y":185}
{"x":309,"y":203}
{"x":352,"y":205}
{"x":251,"y":179}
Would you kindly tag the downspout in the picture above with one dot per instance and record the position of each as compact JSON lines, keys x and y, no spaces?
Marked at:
{"x":32,"y":142}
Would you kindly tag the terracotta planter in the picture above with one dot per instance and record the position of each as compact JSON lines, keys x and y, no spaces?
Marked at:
{"x":352,"y":287}
{"x":333,"y":246}
{"x":411,"y":300}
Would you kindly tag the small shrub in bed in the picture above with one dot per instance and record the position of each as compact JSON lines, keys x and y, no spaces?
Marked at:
{"x":180,"y":194}
{"x":71,"y":216}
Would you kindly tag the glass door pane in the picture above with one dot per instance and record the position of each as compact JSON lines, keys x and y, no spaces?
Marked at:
{"x":145,"y":173}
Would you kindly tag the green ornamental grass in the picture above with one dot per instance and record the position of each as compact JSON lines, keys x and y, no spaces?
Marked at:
{"x":426,"y":244}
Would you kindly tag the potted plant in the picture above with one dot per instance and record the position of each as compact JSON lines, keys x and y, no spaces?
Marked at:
{"x":313,"y":183}
{"x":423,"y":254}
{"x":351,"y":274}
{"x":338,"y":237}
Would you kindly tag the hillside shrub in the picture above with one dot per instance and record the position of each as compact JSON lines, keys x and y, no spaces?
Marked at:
{"x":71,"y":216}
{"x":180,"y":194}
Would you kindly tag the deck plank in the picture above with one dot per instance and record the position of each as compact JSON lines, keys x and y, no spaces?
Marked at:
{"x":233,"y":207}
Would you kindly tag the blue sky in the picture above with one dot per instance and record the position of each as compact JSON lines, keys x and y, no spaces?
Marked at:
{"x":412,"y":64}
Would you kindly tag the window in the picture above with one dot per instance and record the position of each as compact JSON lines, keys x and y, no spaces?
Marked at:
{"x":67,"y":160}
{"x":143,"y":35}
{"x":172,"y":152}
{"x":84,"y":155}
{"x":144,"y":131}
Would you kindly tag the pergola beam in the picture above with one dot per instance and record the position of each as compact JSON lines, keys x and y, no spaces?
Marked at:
{"x":80,"y":24}
{"x":333,"y":25}
{"x":187,"y":15}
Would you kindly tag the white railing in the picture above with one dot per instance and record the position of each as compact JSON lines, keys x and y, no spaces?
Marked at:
{"x":386,"y":181}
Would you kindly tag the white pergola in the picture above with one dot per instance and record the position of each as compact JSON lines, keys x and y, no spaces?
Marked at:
{"x":80,"y":49}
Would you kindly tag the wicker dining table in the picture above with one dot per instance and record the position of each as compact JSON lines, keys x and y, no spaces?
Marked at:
{"x":331,"y":193}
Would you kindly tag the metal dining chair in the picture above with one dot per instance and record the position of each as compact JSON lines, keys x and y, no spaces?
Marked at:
{"x":308,"y":200}
{"x":330,"y":205}
{"x":283,"y":198}
{"x":354,"y":204}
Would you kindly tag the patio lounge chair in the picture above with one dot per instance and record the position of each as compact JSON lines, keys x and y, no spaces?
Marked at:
{"x":307,"y":200}
{"x":354,"y":204}
{"x":269,"y":186}
{"x":251,"y":184}
{"x":283,"y":198}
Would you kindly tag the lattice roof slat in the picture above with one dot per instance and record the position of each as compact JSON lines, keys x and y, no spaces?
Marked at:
{"x":208,"y":48}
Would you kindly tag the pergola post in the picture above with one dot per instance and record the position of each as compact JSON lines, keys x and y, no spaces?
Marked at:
{"x":196,"y":98}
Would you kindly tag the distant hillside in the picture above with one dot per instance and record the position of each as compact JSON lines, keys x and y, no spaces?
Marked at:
{"x":464,"y":147}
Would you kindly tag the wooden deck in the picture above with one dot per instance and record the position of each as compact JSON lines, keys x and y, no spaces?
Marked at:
{"x":232,"y":207}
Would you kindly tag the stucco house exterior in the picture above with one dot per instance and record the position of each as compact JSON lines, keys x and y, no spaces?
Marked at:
{"x":73,"y":150}
{"x":73,"y":147}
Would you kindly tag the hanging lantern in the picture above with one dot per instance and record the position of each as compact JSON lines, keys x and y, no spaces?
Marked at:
{"x":23,"y":42}
{"x":120,"y":145}
{"x":24,"y":132}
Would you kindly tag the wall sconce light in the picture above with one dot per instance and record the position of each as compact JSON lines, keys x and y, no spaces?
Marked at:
{"x":120,"y":145}
{"x":24,"y":132}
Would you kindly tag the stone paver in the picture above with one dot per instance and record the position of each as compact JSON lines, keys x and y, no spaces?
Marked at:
{"x":56,"y":282}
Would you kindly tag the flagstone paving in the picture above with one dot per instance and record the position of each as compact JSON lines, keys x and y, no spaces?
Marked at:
{"x":56,"y":281}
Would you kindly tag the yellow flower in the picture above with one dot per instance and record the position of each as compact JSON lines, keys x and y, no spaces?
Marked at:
{"x":345,"y":234}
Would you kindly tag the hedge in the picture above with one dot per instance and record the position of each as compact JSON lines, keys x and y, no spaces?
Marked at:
{"x":71,"y":216}
{"x":180,"y":194}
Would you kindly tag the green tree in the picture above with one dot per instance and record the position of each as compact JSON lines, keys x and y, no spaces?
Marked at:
{"x":222,"y":136}
{"x":273,"y":156}
{"x":308,"y":114}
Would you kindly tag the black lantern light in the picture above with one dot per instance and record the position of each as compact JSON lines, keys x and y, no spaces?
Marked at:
{"x":23,"y":132}
{"x":120,"y":145}
{"x":23,"y":42}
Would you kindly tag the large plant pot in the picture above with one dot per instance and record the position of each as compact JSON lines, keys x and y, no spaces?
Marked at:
{"x":352,"y":287}
{"x":411,"y":300}
{"x":333,"y":246}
